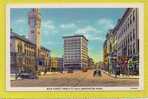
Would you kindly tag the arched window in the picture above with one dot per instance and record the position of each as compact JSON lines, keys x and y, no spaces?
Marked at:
{"x":19,"y":46}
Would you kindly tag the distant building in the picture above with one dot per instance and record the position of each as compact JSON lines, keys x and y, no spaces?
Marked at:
{"x":56,"y":63}
{"x":105,"y":56}
{"x":22,"y":53}
{"x":53,"y":62}
{"x":60,"y":64}
{"x":75,"y":52}
{"x":91,"y":64}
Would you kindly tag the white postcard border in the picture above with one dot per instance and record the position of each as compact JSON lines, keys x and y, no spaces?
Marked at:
{"x":78,"y":5}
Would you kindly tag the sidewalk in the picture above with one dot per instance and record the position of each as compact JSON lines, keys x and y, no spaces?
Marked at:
{"x":121,"y":76}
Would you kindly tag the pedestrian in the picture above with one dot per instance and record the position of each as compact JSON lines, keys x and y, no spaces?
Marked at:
{"x":99,"y":72}
{"x":94,"y":73}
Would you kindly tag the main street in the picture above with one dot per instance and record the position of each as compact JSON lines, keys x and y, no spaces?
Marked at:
{"x":75,"y":79}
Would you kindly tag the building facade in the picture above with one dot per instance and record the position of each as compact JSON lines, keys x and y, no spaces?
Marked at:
{"x":122,"y":43}
{"x":22,"y":55}
{"x":34,"y":21}
{"x":91,"y":64}
{"x":105,"y":56}
{"x":44,"y":56}
{"x":128,"y":38}
{"x":56,"y":63}
{"x":75,"y":52}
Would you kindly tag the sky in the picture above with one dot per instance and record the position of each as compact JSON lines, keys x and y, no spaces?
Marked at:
{"x":93,"y":23}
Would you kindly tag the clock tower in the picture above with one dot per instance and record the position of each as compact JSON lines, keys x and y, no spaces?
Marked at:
{"x":34,"y":21}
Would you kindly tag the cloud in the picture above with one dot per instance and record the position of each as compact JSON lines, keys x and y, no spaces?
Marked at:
{"x":20,"y":21}
{"x":47,"y":43}
{"x":98,"y":38}
{"x":20,"y":26}
{"x":86,"y":30}
{"x":90,"y":32}
{"x":105,"y":23}
{"x":48,"y":24}
{"x":66,"y":26}
{"x":48,"y":27}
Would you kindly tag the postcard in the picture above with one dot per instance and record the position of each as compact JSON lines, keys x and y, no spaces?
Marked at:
{"x":75,"y":47}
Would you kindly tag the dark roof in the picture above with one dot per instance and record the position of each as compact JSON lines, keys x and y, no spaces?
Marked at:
{"x":42,"y":47}
{"x":15,"y":35}
{"x":76,"y":36}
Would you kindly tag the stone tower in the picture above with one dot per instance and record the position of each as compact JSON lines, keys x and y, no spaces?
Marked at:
{"x":34,"y":21}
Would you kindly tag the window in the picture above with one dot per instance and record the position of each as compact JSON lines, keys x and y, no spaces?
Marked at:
{"x":133,"y":33}
{"x":128,"y":23}
{"x":134,"y":15}
{"x":130,"y":36}
{"x":131,"y":19}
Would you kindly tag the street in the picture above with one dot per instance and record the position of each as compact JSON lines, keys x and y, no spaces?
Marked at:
{"x":75,"y":79}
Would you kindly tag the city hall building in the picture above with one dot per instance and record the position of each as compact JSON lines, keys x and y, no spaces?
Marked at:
{"x":75,"y":52}
{"x":22,"y":55}
{"x":26,"y":52}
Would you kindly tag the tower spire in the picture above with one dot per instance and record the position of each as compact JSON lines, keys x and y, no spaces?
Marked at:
{"x":34,"y":21}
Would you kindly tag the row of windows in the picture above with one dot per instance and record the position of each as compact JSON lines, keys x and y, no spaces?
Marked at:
{"x":29,"y":53}
{"x":72,"y":50}
{"x":75,"y":48}
{"x":29,"y":46}
{"x":29,"y":62}
{"x":84,"y":49}
{"x":44,"y":54}
{"x":130,"y":37}
{"x":130,"y":49}
{"x":72,"y":53}
{"x":129,"y":22}
{"x":12,"y":54}
{"x":32,"y":62}
{"x":72,"y":47}
{"x":72,"y":40}
{"x":71,"y":56}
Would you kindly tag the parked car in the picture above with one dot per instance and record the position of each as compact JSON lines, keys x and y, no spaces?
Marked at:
{"x":26,"y":75}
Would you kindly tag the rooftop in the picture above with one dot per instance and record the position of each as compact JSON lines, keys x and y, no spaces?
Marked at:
{"x":15,"y":35}
{"x":75,"y":36}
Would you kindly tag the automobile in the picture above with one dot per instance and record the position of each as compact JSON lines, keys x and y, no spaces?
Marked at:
{"x":70,"y":71}
{"x":26,"y":75}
